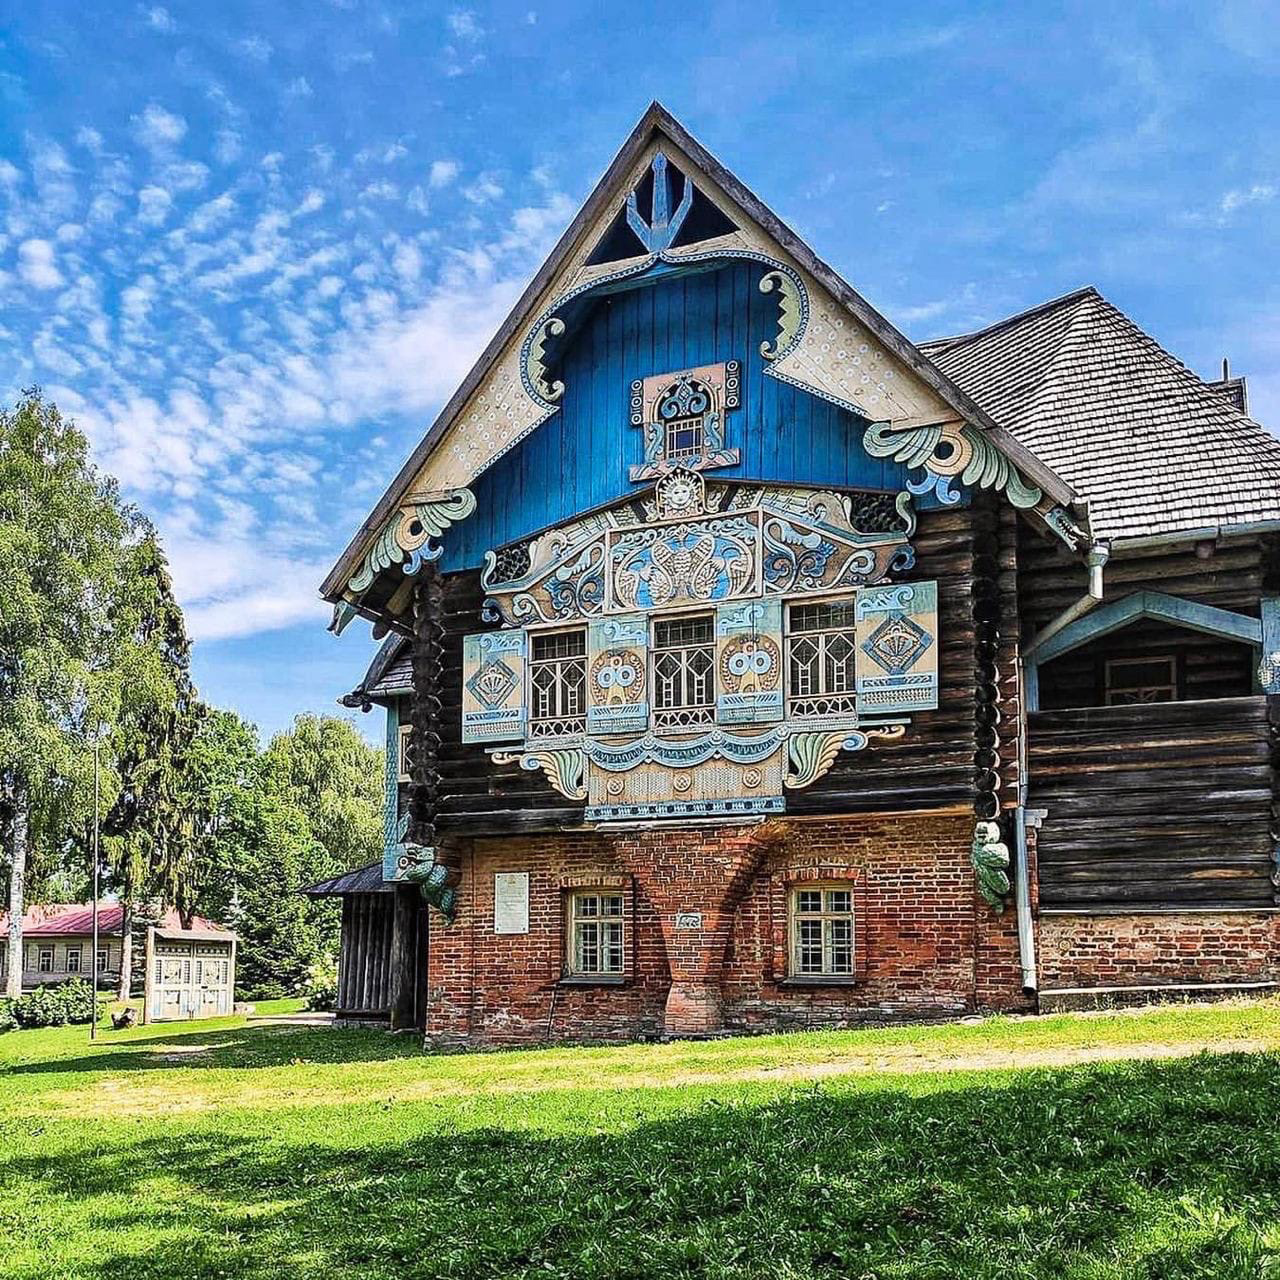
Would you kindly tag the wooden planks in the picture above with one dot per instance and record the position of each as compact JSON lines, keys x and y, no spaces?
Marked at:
{"x":1160,"y":806}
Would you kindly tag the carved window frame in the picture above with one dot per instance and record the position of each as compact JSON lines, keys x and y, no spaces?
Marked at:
{"x":840,"y":703}
{"x":685,"y":714}
{"x":566,"y":723}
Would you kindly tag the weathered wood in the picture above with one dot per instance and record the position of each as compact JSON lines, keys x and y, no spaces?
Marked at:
{"x":1162,"y":805}
{"x":402,"y":956}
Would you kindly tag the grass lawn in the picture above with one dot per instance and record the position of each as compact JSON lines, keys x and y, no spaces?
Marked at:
{"x":1142,"y":1144}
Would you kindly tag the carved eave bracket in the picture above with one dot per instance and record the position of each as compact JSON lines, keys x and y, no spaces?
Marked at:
{"x":409,"y":539}
{"x":951,"y":454}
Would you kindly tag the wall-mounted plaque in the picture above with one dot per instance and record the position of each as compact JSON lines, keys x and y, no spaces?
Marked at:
{"x":511,"y":902}
{"x":688,"y":919}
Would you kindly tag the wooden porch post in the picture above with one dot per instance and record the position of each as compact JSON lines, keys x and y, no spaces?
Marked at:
{"x":404,"y":955}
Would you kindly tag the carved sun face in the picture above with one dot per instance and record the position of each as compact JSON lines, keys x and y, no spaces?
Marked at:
{"x":680,"y":491}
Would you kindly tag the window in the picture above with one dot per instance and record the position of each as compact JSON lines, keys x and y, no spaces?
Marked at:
{"x":684,"y":664}
{"x":1135,"y":680}
{"x":683,"y":412}
{"x":73,"y":959}
{"x":822,"y":932}
{"x":820,"y":659}
{"x":44,"y":961}
{"x":595,"y":934}
{"x":402,"y":752}
{"x":557,"y":683}
{"x":104,"y":959}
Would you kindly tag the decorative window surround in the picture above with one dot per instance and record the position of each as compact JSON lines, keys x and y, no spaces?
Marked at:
{"x":557,"y":684}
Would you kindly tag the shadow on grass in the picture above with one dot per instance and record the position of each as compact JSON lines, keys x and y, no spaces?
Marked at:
{"x":1163,"y":1170}
{"x":263,"y":1045}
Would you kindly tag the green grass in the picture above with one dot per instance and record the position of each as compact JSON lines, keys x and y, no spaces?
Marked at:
{"x":996,"y":1148}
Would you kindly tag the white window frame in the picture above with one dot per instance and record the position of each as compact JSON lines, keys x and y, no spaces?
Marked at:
{"x":41,"y":965}
{"x":824,"y":700}
{"x":586,"y":911}
{"x":403,"y":733}
{"x":832,"y":921}
{"x":76,"y":953}
{"x":683,"y":714}
{"x":566,"y":722}
{"x":104,"y":959}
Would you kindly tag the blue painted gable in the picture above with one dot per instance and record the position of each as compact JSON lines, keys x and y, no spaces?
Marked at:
{"x":579,"y":458}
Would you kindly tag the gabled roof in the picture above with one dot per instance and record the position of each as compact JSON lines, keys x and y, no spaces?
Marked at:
{"x":602,"y":204}
{"x":77,"y":919}
{"x":1154,"y":449}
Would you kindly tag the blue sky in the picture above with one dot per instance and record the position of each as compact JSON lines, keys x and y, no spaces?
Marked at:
{"x":253,"y":247}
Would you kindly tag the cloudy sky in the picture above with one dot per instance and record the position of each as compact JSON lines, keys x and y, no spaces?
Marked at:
{"x":252,"y":247}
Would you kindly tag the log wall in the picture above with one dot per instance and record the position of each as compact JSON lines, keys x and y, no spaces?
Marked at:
{"x":1160,"y":806}
{"x":933,"y":766}
{"x":364,"y":961}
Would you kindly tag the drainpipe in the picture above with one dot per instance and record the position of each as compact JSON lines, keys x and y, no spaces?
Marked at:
{"x":1098,"y":555}
{"x":1096,"y":559}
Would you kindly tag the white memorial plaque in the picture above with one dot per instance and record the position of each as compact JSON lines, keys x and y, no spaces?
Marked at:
{"x":688,"y":919}
{"x":511,"y":902}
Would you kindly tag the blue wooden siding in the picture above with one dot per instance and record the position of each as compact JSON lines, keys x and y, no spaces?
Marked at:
{"x":578,"y":459}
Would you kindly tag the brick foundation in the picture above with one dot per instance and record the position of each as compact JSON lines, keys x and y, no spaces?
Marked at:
{"x":1143,"y":949}
{"x":925,"y":943}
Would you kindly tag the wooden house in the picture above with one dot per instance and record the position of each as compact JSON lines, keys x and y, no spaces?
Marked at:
{"x":750,"y":666}
{"x":190,"y":972}
{"x":57,"y":941}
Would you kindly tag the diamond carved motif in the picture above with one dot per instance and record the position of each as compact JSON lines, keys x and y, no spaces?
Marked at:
{"x":492,"y":684}
{"x":896,"y":644}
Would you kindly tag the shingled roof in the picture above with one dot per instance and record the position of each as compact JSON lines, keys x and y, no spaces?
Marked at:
{"x":390,"y":675}
{"x":1153,"y":448}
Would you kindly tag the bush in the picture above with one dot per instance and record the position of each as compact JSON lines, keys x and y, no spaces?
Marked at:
{"x":55,"y":1005}
{"x":7,"y":1020}
{"x":322,"y":988}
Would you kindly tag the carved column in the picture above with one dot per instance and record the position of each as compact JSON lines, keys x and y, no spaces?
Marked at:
{"x":990,"y":852}
{"x":424,"y":741}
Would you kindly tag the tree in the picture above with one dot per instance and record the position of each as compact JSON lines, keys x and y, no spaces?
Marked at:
{"x":62,"y":526}
{"x":324,"y":767}
{"x":222,"y":769}
{"x":156,"y":721}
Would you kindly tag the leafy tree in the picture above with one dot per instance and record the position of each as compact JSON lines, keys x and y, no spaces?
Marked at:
{"x":222,"y":769}
{"x":325,"y":768}
{"x":62,"y":526}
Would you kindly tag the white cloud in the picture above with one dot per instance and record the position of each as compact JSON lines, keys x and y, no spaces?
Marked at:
{"x":212,"y":212}
{"x":464,"y":24}
{"x":406,"y":262}
{"x":256,"y":47}
{"x":159,"y":19}
{"x":226,"y":147}
{"x":299,"y":87}
{"x":154,"y":204}
{"x":311,"y":202}
{"x":483,"y":189}
{"x":1239,"y":197}
{"x":36,"y":264}
{"x":157,"y":128}
{"x":89,"y":139}
{"x":10,"y":174}
{"x":443,"y":172}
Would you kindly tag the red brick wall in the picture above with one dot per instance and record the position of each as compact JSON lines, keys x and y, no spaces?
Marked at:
{"x":1134,"y":950}
{"x":925,"y":942}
